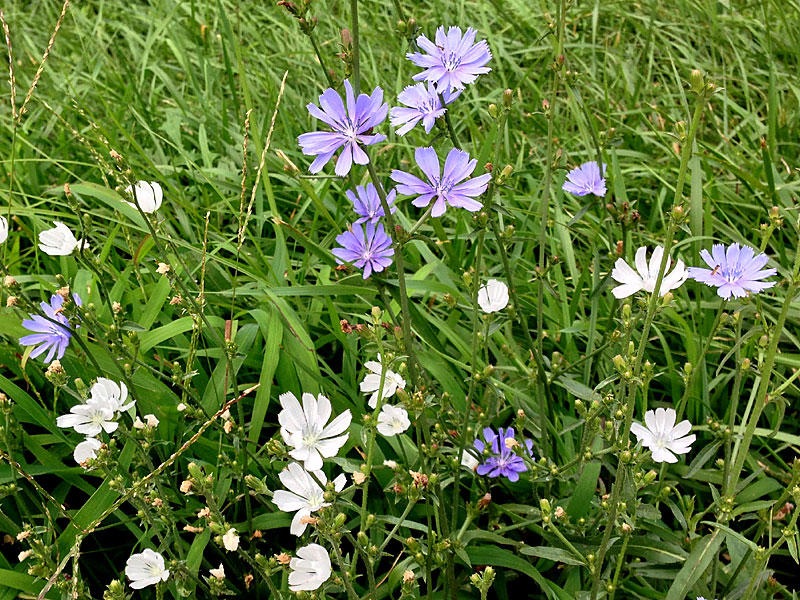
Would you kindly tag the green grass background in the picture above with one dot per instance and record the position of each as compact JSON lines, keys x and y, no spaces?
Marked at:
{"x":167,"y":85}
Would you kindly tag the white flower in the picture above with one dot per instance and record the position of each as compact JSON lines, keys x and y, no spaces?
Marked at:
{"x":372,"y":381}
{"x":218,"y":573}
{"x":493,"y":296}
{"x":305,"y":430}
{"x":146,"y":568}
{"x":304,"y":496}
{"x":58,"y":241}
{"x":148,"y":194}
{"x":230,"y":540}
{"x":393,"y":420}
{"x":469,"y":461}
{"x":310,"y":569}
{"x":152,"y":421}
{"x":86,"y":450}
{"x":89,"y":419}
{"x":645,"y":279}
{"x":3,"y":229}
{"x":110,"y":394}
{"x":138,"y":423}
{"x":662,"y":436}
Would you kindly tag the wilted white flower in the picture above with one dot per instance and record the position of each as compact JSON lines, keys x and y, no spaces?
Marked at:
{"x":86,"y":450}
{"x":218,"y":573}
{"x":152,"y":421}
{"x":24,"y":554}
{"x":230,"y":540}
{"x":644,"y":278}
{"x":310,"y":568}
{"x":304,"y":496}
{"x":110,"y":394}
{"x":89,"y":419}
{"x":305,"y":430}
{"x":181,"y":407}
{"x":393,"y":420}
{"x":58,"y":241}
{"x":469,"y":461}
{"x":148,"y":194}
{"x":3,"y":229}
{"x":146,"y":568}
{"x":662,"y":436}
{"x":493,"y":296}
{"x":372,"y":381}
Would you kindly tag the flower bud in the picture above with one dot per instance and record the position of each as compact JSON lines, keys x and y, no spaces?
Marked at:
{"x":697,"y":81}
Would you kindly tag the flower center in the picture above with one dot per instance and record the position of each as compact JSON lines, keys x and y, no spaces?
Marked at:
{"x":451,"y":61}
{"x":349,"y":131}
{"x":443,"y":187}
{"x":316,"y":500}
{"x":732,"y":275}
{"x":429,"y":105}
{"x":98,"y":418}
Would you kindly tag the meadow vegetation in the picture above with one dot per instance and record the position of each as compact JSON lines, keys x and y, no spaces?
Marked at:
{"x":485,"y":440}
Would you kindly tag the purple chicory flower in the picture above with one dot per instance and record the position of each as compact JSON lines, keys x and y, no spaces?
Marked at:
{"x":51,"y":336}
{"x":423,"y":104}
{"x":454,"y":61}
{"x":350,"y":126}
{"x":444,"y":186}
{"x":503,"y":461}
{"x":367,"y":204}
{"x":585,"y":180}
{"x":369,"y":248}
{"x":736,"y":272}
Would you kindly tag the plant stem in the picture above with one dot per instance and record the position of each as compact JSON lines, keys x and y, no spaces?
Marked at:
{"x":449,"y":124}
{"x":325,"y":69}
{"x":401,"y":279}
{"x":766,"y":375}
{"x":356,"y":51}
{"x":623,"y":441}
{"x":462,"y":441}
{"x":693,"y":375}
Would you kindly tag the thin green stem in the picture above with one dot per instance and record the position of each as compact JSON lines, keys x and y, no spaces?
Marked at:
{"x":766,"y":376}
{"x":356,"y":50}
{"x":449,"y":123}
{"x":623,"y":441}
{"x":701,"y":357}
{"x":401,"y":278}
{"x":462,"y":441}
{"x":325,"y":69}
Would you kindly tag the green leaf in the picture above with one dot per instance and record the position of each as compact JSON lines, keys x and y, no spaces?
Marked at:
{"x":701,"y":556}
{"x":497,"y":557}
{"x":552,"y":553}
{"x":582,"y":496}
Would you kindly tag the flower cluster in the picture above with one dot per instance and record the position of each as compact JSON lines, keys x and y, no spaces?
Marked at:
{"x":453,"y":62}
{"x":737,"y":272}
{"x":107,"y":400}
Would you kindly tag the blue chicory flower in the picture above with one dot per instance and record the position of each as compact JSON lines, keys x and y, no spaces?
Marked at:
{"x":350,"y":126}
{"x":502,"y":460}
{"x":444,"y":186}
{"x":424,"y":104}
{"x":367,"y":204}
{"x":454,"y":61}
{"x":736,"y":272}
{"x":368,"y":248}
{"x":52,"y":336}
{"x":585,"y":180}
